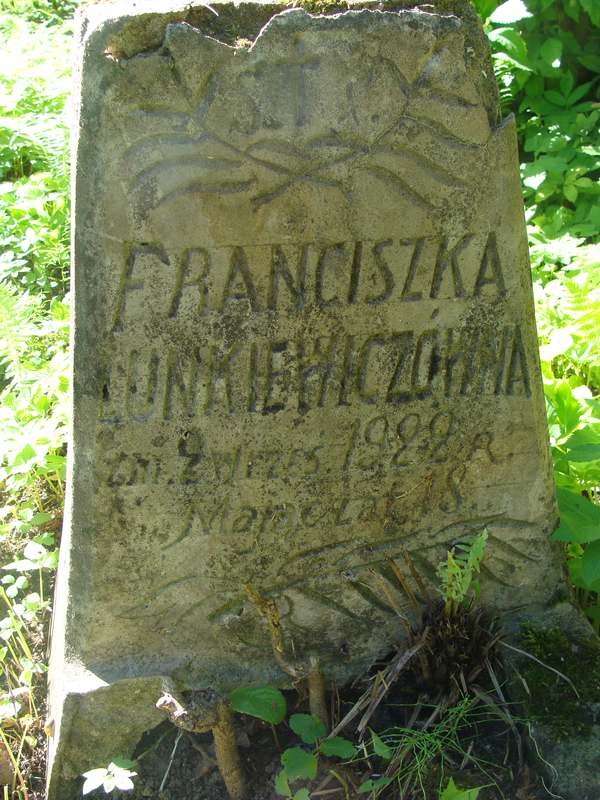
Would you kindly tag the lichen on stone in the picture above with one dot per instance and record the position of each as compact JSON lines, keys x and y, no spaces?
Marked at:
{"x":549,"y":698}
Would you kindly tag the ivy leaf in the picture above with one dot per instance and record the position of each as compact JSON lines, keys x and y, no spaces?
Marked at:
{"x":265,"y":702}
{"x":298,"y":763}
{"x":338,"y":746}
{"x":308,"y":727}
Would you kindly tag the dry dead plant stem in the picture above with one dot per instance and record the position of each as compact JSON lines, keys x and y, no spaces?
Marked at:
{"x":210,"y":713}
{"x":416,"y":575}
{"x":226,"y":750}
{"x":270,"y":613}
{"x":316,"y":692}
{"x":371,"y":698}
{"x":406,"y":587}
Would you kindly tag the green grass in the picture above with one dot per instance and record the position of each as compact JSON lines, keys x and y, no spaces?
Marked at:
{"x":34,"y":257}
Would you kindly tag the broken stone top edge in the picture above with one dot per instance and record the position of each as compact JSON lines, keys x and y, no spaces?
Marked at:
{"x":297,"y":19}
{"x":294,"y":20}
{"x":95,"y":18}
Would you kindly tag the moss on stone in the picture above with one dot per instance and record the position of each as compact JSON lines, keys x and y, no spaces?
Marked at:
{"x":550,"y":699}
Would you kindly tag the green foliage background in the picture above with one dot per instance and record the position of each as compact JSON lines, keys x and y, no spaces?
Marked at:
{"x":547,"y":60}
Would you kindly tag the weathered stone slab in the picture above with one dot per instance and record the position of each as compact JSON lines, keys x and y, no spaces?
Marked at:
{"x":304,"y":340}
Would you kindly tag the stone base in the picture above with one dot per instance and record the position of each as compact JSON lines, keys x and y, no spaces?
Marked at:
{"x":95,"y":723}
{"x":564,"y":726}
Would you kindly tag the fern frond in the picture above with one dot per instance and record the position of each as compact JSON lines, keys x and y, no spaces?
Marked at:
{"x":18,"y":317}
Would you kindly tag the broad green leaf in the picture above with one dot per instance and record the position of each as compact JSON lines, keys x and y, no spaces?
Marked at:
{"x":374,"y":783}
{"x":590,"y":564}
{"x":568,"y":409}
{"x":299,"y":763}
{"x":551,"y":50}
{"x":593,"y":613}
{"x":579,"y":518}
{"x":282,"y":785}
{"x":583,"y":445}
{"x":590,"y":61}
{"x":338,"y":746}
{"x":592,"y":7}
{"x":579,"y":92}
{"x":265,"y":702}
{"x":122,"y":763}
{"x":512,"y":45}
{"x":302,"y":794}
{"x":380,"y":748}
{"x":570,"y":192}
{"x":567,"y":81}
{"x":556,"y":97}
{"x":308,"y":727}
{"x":452,"y":792}
{"x":485,"y":7}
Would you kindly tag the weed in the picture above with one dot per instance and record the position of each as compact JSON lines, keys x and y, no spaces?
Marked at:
{"x":118,"y":775}
{"x":33,"y":362}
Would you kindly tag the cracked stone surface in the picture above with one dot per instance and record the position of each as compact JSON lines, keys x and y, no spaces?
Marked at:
{"x":304,"y":341}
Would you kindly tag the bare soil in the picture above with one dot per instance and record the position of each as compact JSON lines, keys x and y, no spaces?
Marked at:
{"x":191,"y":773}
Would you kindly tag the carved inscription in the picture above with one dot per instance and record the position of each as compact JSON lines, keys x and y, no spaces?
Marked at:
{"x":383,"y":444}
{"x":300,"y":371}
{"x":271,"y":376}
{"x":294,"y":278}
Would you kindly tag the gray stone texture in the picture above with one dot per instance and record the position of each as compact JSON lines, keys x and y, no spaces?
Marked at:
{"x":303,"y":341}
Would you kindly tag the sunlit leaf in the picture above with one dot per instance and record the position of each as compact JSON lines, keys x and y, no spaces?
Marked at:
{"x":509,"y":12}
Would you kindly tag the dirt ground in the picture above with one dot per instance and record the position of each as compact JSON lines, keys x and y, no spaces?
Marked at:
{"x":191,"y":773}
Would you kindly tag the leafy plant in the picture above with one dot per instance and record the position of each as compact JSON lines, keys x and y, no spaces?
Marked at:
{"x":117,"y":775}
{"x":408,"y":754}
{"x":457,"y":573}
{"x":452,"y":792}
{"x":547,"y":63}
{"x":264,"y":702}
{"x":298,"y":763}
{"x":34,"y":320}
{"x":548,"y":68}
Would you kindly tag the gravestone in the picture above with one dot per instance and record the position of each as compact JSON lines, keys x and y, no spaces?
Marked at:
{"x":304,"y":343}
